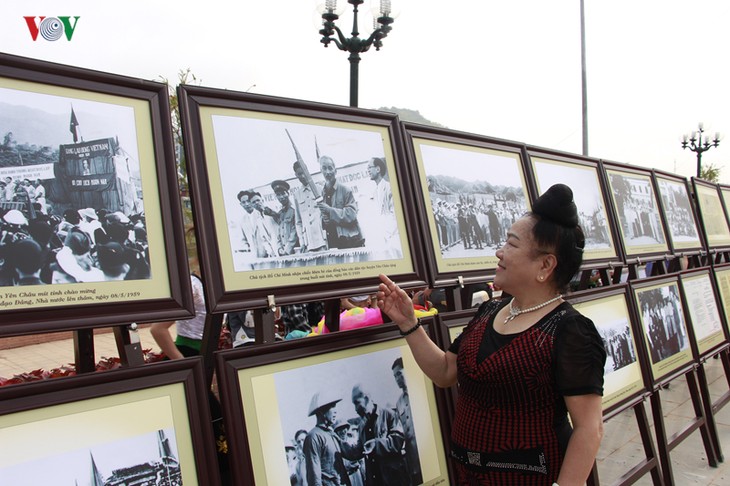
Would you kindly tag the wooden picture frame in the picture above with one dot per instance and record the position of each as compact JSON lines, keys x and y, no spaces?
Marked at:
{"x":662,"y":320}
{"x":268,"y":391}
{"x":610,"y":310}
{"x":449,"y":326}
{"x":722,"y":281}
{"x":470,"y":189}
{"x":143,"y":421}
{"x":701,"y":301}
{"x":240,"y":145}
{"x":712,"y":214}
{"x":679,"y":212}
{"x":583,"y":176}
{"x":725,"y":196}
{"x":636,"y":210}
{"x":90,"y":141}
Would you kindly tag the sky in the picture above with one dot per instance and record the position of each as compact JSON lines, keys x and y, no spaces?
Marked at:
{"x":510,"y":70}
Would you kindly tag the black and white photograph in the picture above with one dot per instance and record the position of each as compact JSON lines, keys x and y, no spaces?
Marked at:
{"x":474,"y":196}
{"x":638,"y":213}
{"x":359,"y":411}
{"x":622,"y":374}
{"x":662,"y":318}
{"x":297,"y":194}
{"x":618,"y":341}
{"x":71,"y":200}
{"x":364,"y":400}
{"x":678,"y":213}
{"x":148,"y":459}
{"x":588,"y":197}
{"x":107,"y":428}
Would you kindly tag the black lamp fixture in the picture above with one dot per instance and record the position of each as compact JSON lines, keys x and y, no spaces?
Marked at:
{"x":355,"y":45}
{"x":699,"y":143}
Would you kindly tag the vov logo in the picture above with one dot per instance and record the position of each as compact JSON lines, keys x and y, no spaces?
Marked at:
{"x":52,"y":28}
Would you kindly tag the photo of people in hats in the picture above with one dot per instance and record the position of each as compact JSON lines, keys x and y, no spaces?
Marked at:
{"x":298,"y":195}
{"x":351,"y":420}
{"x":71,"y":199}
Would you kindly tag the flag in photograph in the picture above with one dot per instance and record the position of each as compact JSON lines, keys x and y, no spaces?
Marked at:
{"x":72,"y":126}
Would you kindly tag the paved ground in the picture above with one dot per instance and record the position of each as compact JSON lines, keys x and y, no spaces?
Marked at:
{"x":621,"y":448}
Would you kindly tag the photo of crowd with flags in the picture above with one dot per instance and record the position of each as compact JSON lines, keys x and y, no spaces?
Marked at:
{"x":71,"y":205}
{"x":146,"y":459}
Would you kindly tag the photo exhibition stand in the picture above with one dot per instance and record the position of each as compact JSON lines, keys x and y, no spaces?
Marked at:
{"x":624,"y":208}
{"x":126,"y":337}
{"x":614,"y":273}
{"x":657,"y":459}
{"x":650,"y":463}
{"x":666,"y":442}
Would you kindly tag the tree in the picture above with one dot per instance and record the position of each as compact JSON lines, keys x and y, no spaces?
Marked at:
{"x":8,"y":140}
{"x":710,"y":172}
{"x":184,"y":76}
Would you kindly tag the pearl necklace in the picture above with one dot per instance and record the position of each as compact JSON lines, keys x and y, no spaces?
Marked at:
{"x":516,"y":311}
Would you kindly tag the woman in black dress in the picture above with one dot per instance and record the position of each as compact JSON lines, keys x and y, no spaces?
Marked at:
{"x":524,"y":362}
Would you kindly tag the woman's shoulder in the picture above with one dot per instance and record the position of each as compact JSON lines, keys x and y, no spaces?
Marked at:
{"x":490,"y":307}
{"x":573,"y":323}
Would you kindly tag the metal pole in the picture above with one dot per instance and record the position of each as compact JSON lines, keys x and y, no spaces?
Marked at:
{"x":354,"y":73}
{"x":584,"y":82}
{"x":699,"y":161}
{"x":354,"y":57}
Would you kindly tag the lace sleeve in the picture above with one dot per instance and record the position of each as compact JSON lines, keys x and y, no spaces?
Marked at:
{"x":580,"y":357}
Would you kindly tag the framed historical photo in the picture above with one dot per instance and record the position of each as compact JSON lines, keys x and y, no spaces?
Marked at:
{"x":660,"y":310}
{"x":280,"y":401}
{"x":610,"y":310}
{"x":712,"y":215}
{"x":722,"y":281}
{"x":637,"y":211}
{"x":582,"y":175}
{"x":90,"y":215}
{"x":701,"y":300}
{"x":139,"y":425}
{"x":679,"y":213}
{"x":296,"y":200}
{"x":470,"y":190}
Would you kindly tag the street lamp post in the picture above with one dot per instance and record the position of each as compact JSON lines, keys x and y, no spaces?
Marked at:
{"x":355,"y":45}
{"x":699,"y":143}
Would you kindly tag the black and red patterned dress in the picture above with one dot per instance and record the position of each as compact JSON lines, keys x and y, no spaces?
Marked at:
{"x":511,"y":423}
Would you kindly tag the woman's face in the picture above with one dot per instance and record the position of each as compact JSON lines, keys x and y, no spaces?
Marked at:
{"x":519,"y":258}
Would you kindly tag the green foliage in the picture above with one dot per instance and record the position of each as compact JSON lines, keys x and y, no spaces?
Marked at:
{"x":710,"y":172}
{"x":13,"y":153}
{"x":184,"y":76}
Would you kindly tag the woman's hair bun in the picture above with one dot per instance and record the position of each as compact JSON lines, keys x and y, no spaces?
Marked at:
{"x":557,"y":205}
